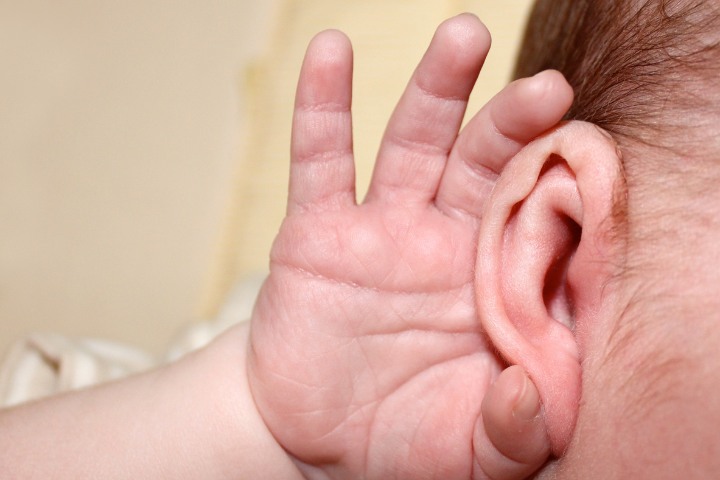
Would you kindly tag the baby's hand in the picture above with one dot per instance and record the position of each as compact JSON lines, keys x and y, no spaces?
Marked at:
{"x":366,"y":355}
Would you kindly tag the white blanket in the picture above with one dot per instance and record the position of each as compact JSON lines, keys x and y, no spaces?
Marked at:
{"x":45,"y":363}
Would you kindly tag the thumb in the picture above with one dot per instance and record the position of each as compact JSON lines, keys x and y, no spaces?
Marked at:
{"x":510,"y":438}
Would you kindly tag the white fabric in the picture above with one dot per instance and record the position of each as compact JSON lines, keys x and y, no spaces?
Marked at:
{"x":44,"y":363}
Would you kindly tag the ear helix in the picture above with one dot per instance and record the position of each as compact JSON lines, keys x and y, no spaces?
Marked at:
{"x":556,"y":186}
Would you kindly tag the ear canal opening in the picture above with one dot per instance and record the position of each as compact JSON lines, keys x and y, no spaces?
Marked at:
{"x":557,"y":291}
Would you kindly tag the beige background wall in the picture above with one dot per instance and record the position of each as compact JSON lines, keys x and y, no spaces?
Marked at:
{"x":143,"y":145}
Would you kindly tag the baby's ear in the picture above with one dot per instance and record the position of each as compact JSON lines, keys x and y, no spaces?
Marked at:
{"x":543,"y":259}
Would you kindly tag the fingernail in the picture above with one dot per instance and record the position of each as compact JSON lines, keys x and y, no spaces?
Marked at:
{"x":528,"y":403}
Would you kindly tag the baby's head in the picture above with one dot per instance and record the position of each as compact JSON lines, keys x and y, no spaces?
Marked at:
{"x":646,"y":71}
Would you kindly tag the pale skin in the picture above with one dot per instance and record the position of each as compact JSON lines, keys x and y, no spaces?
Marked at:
{"x":644,"y":339}
{"x":365,"y":357}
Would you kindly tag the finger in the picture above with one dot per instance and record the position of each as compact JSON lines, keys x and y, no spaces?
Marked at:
{"x":511,"y":441}
{"x":427,"y":119}
{"x":515,"y":116}
{"x":322,"y":171}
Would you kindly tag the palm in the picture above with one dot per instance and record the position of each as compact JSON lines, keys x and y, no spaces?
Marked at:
{"x":389,"y":319}
{"x":366,"y":354}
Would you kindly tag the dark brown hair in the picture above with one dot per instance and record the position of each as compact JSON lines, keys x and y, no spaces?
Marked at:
{"x":640,"y":68}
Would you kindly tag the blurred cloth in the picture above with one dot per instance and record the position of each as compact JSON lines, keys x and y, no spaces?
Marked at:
{"x":44,"y":364}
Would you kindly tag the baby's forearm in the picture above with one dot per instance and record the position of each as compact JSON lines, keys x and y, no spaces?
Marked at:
{"x":191,"y":419}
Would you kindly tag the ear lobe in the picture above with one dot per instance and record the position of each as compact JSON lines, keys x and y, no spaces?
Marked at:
{"x":540,"y":261}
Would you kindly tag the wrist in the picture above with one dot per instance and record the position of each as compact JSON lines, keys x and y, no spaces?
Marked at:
{"x":242,"y":443}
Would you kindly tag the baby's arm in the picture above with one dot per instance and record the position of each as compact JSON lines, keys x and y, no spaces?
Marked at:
{"x":193,"y":419}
